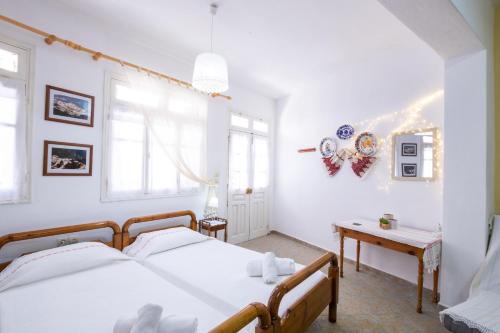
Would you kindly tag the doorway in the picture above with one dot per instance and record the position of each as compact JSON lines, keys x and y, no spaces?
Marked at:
{"x":248,"y":183}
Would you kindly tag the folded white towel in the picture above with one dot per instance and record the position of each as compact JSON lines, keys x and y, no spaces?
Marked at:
{"x":124,"y":325}
{"x":178,"y":324}
{"x":286,"y":266}
{"x":269,"y":268}
{"x":148,"y":319}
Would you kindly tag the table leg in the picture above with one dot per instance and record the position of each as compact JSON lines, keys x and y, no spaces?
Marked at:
{"x":225,"y":234}
{"x":215,"y":234}
{"x":420,"y":283}
{"x":435,"y":295}
{"x":341,"y":255}
{"x":358,"y":249}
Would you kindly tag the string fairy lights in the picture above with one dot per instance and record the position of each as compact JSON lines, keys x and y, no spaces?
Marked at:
{"x":408,"y":120}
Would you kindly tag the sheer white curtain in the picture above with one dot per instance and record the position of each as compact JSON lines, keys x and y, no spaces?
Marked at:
{"x":157,"y":134}
{"x":13,"y":145}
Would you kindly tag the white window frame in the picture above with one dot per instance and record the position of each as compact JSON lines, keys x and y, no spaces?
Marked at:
{"x":269,"y":135}
{"x":105,"y":196}
{"x":27,"y":74}
{"x":250,"y":129}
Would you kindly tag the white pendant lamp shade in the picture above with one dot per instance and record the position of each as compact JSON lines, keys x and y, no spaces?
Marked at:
{"x":210,"y":73}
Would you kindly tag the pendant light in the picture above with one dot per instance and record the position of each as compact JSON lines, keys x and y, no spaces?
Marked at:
{"x":210,"y":69}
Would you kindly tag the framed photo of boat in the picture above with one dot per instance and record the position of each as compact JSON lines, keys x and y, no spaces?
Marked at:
{"x":70,"y":107}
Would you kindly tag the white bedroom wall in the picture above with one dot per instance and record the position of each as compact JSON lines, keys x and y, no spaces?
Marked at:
{"x":466,"y":43}
{"x":307,"y":200}
{"x":468,"y":187}
{"x":58,"y":201}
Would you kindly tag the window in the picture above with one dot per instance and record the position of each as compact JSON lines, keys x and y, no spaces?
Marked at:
{"x":260,"y":126}
{"x":244,"y":123}
{"x":14,"y":122}
{"x":239,"y":121}
{"x":152,"y":131}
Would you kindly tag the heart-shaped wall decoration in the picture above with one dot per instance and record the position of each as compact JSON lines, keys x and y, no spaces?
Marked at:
{"x":335,"y":162}
{"x":361,"y":164}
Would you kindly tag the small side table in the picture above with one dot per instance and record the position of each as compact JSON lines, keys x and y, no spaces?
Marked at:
{"x":213,"y":224}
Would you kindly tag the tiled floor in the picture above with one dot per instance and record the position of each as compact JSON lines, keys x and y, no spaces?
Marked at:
{"x":369,"y":301}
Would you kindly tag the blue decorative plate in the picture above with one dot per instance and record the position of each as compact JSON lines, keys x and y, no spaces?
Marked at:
{"x":345,"y":132}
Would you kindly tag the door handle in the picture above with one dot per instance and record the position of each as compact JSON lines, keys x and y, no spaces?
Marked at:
{"x":248,"y":190}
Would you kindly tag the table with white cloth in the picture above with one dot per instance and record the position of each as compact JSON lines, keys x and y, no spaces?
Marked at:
{"x":425,"y":245}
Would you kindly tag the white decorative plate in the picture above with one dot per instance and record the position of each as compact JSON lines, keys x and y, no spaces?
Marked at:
{"x":327,"y":147}
{"x":366,"y":144}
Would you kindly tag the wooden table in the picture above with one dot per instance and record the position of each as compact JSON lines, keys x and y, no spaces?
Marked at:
{"x":361,"y":236}
{"x":213,"y":224}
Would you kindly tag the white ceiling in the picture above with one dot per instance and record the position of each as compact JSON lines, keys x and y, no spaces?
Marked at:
{"x":269,"y":45}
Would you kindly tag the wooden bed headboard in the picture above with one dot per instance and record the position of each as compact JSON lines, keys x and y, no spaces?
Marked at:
{"x":127,"y":240}
{"x":25,"y":235}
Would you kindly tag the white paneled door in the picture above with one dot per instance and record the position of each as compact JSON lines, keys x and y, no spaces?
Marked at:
{"x":248,"y":186}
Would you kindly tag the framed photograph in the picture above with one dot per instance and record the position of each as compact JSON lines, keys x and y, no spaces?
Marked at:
{"x":408,"y":170}
{"x":408,"y":149}
{"x":67,"y":159}
{"x":70,"y":107}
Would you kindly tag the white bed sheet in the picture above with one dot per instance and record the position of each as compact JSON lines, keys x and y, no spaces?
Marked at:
{"x":215,"y":272}
{"x":92,"y":301}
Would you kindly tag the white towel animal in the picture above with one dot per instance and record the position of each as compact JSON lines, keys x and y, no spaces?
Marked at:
{"x":269,"y":268}
{"x":124,"y":325}
{"x":148,"y":320}
{"x":286,"y":266}
{"x":178,"y":324}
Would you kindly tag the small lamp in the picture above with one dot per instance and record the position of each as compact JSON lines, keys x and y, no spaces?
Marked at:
{"x":212,"y":203}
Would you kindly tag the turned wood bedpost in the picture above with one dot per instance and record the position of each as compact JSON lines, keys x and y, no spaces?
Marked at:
{"x":333,"y":275}
{"x":293,"y":281}
{"x":244,"y":317}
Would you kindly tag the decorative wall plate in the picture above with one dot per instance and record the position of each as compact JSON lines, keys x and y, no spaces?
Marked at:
{"x":366,"y":144}
{"x":345,"y":132}
{"x":327,"y":147}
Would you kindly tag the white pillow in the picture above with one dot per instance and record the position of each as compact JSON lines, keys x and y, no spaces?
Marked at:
{"x":163,"y":240}
{"x":59,"y":261}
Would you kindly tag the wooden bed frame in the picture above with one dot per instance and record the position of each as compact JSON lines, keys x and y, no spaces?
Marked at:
{"x":20,"y":236}
{"x":299,"y":316}
{"x":230,"y":325}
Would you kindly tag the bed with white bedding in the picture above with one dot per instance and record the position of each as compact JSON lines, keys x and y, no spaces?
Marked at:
{"x":92,"y":301}
{"x":87,"y":287}
{"x":215,"y":272}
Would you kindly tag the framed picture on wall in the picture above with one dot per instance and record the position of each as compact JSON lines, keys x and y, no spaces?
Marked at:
{"x":70,"y":107}
{"x":408,"y":149}
{"x":408,"y":170}
{"x":67,"y":159}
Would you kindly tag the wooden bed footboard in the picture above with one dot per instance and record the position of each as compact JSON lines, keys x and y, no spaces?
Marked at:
{"x":20,"y":236}
{"x":244,"y":317}
{"x":127,"y":239}
{"x":300,"y":315}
